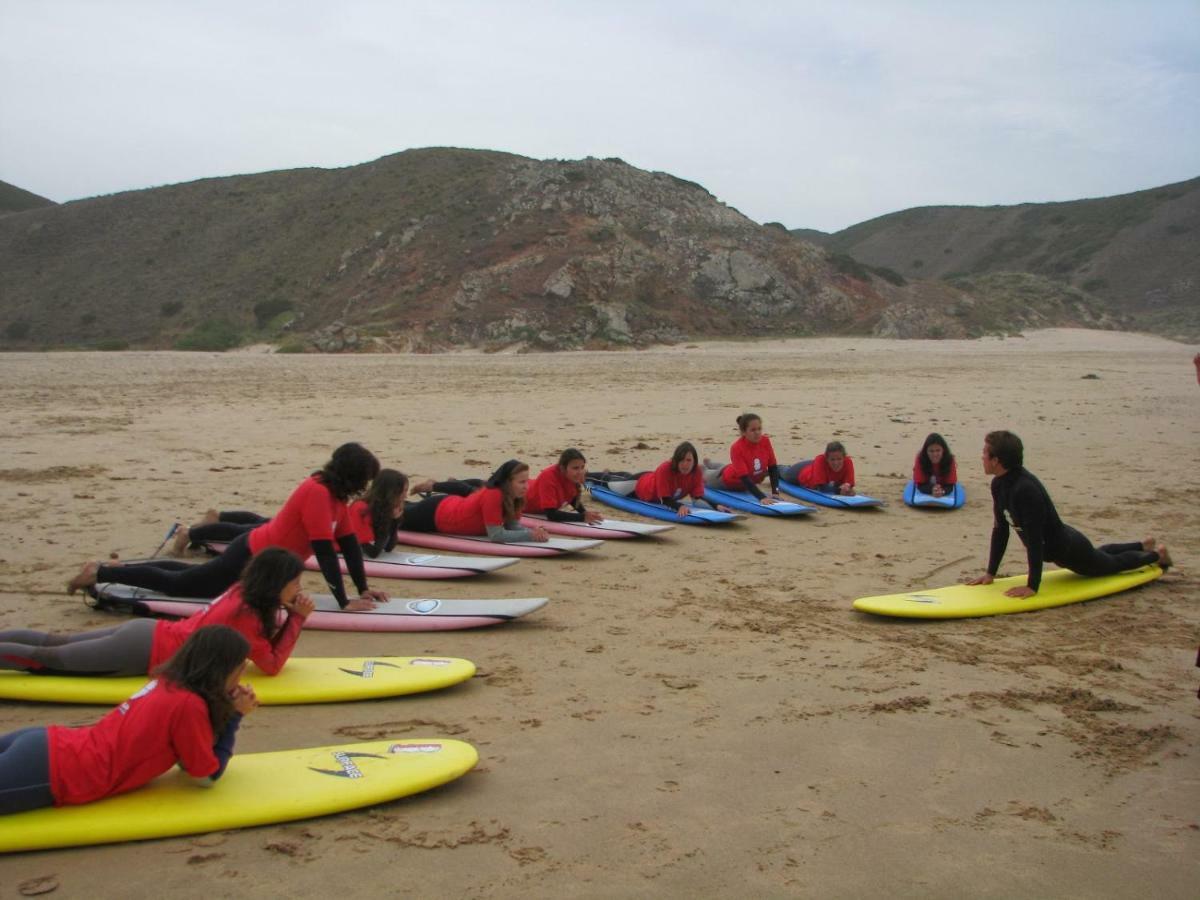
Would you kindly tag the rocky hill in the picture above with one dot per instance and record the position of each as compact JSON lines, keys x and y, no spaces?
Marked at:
{"x":15,"y":199}
{"x":439,"y":248}
{"x":1138,"y":253}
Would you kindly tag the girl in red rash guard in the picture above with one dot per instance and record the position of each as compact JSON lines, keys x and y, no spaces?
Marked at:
{"x":494,"y":510}
{"x":188,"y":715}
{"x":269,"y":588}
{"x":677,"y":483}
{"x":558,"y":487}
{"x":832,"y":472}
{"x":934,"y":470}
{"x":374,"y":519}
{"x":313,"y":522}
{"x":751,"y":461}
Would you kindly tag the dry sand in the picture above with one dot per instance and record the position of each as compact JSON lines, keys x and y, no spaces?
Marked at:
{"x":699,"y":715}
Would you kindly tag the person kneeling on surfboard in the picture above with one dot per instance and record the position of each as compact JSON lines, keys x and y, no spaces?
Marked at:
{"x":556,"y":491}
{"x":935,"y":470}
{"x":493,"y":510}
{"x":188,"y":714}
{"x":251,"y":607}
{"x":831,"y":472}
{"x":751,"y":461}
{"x":1019,"y":500}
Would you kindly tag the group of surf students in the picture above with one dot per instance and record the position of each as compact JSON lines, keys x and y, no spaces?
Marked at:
{"x":189,"y":712}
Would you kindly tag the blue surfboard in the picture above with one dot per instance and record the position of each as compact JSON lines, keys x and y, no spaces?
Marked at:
{"x":953,"y":500}
{"x":657,"y":510}
{"x":747,"y":502}
{"x":834,"y":501}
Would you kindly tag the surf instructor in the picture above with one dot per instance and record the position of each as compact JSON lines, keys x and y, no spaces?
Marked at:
{"x":1020,"y":501}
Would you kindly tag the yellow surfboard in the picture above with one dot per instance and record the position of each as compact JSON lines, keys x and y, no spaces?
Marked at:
{"x":302,"y":680}
{"x":256,"y":789}
{"x":961,"y":601}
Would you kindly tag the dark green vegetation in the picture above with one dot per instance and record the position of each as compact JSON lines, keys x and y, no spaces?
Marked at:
{"x":1136,"y":254}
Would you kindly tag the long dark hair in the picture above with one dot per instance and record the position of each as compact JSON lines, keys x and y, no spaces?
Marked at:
{"x":510,"y":506}
{"x":927,"y":465}
{"x":203,"y":665}
{"x":348,"y":471}
{"x":680,"y":452}
{"x":385,"y":490}
{"x":263,"y":580}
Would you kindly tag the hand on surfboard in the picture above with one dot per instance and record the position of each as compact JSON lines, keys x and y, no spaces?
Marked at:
{"x":592,"y":517}
{"x":1021,"y":591}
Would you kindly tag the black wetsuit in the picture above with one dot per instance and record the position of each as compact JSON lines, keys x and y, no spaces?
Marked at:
{"x":1019,"y":500}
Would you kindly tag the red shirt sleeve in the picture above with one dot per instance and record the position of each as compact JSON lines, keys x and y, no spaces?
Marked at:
{"x":271,"y":656}
{"x":846,"y":476}
{"x":192,"y":737}
{"x":918,"y":475}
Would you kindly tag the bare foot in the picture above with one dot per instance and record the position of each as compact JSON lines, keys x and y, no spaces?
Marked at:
{"x":86,"y":577}
{"x":211,"y":517}
{"x":182,"y":540}
{"x":1149,"y":543}
{"x":422,"y":487}
{"x":1164,"y":558}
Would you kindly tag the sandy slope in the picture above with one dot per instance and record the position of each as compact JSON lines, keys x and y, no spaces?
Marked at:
{"x":697,"y":715}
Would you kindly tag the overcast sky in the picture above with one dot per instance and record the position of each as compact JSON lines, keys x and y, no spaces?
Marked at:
{"x":814,"y":114}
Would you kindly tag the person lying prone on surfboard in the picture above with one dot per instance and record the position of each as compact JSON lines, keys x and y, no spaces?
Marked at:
{"x":189,"y":714}
{"x":935,"y":470}
{"x":315,"y":521}
{"x":1019,"y":500}
{"x":374,"y":518}
{"x":494,"y":510}
{"x":556,"y":492}
{"x":751,"y":461}
{"x":269,"y":589}
{"x":677,"y":483}
{"x":831,"y":472}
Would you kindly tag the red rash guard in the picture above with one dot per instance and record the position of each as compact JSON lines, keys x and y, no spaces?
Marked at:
{"x":550,"y":490}
{"x":749,"y":459}
{"x":817,"y":473}
{"x":310,"y":514}
{"x":135,"y":743}
{"x":919,"y":476}
{"x":472,"y":514}
{"x":228,"y":609}
{"x":666,"y":482}
{"x":360,"y":522}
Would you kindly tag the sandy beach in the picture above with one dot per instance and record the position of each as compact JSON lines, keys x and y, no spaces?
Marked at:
{"x":701,"y":714}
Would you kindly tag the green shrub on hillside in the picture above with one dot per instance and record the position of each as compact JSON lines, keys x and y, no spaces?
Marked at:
{"x":266,"y":310}
{"x":214,"y":335}
{"x":17,"y":331}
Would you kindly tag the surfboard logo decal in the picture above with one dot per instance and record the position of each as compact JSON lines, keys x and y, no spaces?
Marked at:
{"x":422,"y":560}
{"x":430,"y":662}
{"x":415,"y":748}
{"x":368,"y":669}
{"x":920,"y":598}
{"x":424,"y":607}
{"x":349,"y":769}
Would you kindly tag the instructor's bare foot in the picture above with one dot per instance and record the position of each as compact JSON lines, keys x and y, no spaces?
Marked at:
{"x":211,"y":517}
{"x":180,"y":544}
{"x":86,"y":577}
{"x":1164,"y":558}
{"x":1149,"y":542}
